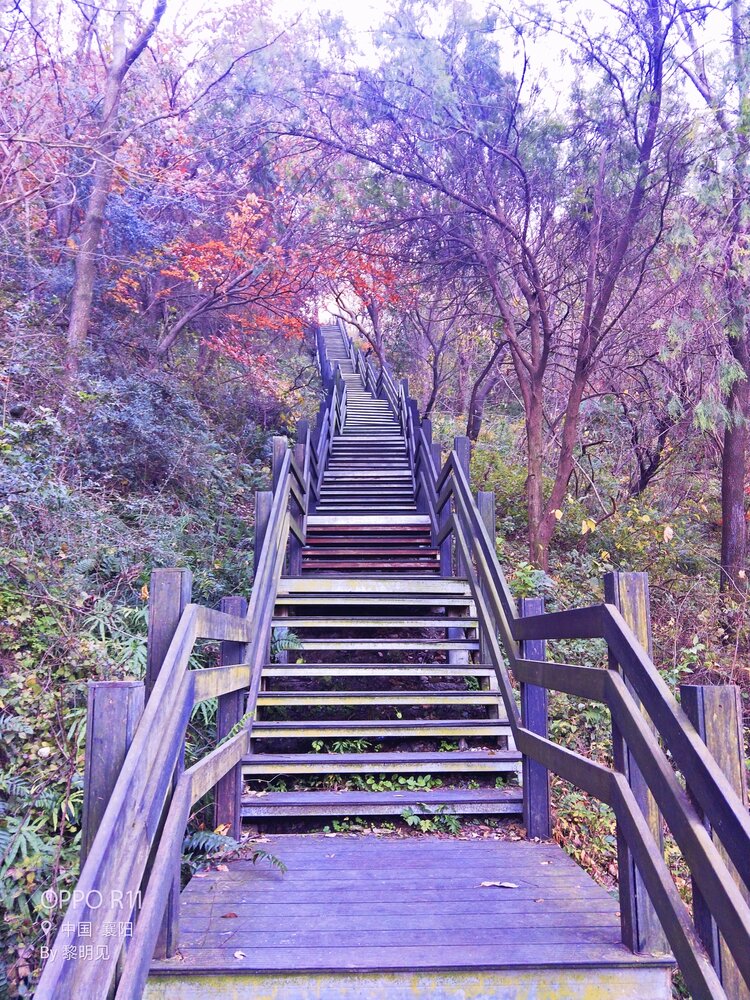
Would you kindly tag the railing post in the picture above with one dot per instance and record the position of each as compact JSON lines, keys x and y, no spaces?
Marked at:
{"x":641,"y":930}
{"x":534,"y":717}
{"x":228,"y":795}
{"x":486,"y":508}
{"x":169,"y":593}
{"x":279,"y":447}
{"x":462,"y":448}
{"x":112,"y":715}
{"x":460,"y":445}
{"x":298,"y":511}
{"x":446,"y":546}
{"x":716,"y":713}
{"x":263,"y":501}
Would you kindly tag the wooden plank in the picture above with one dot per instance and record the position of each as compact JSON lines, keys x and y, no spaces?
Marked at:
{"x":489,"y":761}
{"x":263,"y":501}
{"x":349,"y":904}
{"x":716,"y":712}
{"x":462,"y":453}
{"x":119,"y":854}
{"x":711,"y":789}
{"x":641,"y":929}
{"x":373,"y":519}
{"x":487,"y":801}
{"x":575,"y":623}
{"x":388,"y":644}
{"x":291,"y":699}
{"x":279,"y":449}
{"x":113,"y":712}
{"x":218,"y":625}
{"x":229,"y":711}
{"x":570,"y":678}
{"x":706,"y":865}
{"x":534,"y":717}
{"x":702,"y":981}
{"x":398,"y":728}
{"x":215,"y":682}
{"x":168,"y":595}
{"x":374,"y":670}
{"x":340,"y":622}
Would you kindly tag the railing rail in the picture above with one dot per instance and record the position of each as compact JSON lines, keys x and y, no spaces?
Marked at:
{"x":137,"y":848}
{"x":676,"y":744}
{"x":631,"y":687}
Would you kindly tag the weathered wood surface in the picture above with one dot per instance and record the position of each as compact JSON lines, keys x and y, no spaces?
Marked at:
{"x":230,"y":710}
{"x":169,"y":594}
{"x":716,"y":713}
{"x":450,"y":801}
{"x":372,"y":903}
{"x":534,"y":716}
{"x":113,"y":712}
{"x":611,"y":786}
{"x":641,"y":929}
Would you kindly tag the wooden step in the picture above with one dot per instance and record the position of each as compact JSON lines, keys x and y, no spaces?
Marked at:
{"x":320,"y":530}
{"x":382,"y":554}
{"x":371,"y":586}
{"x":378,"y":600}
{"x":448,"y":761}
{"x":341,"y":622}
{"x":393,"y":543}
{"x":459,"y":801}
{"x":426,"y":729}
{"x":294,"y":699}
{"x":376,"y":670}
{"x":388,"y":645}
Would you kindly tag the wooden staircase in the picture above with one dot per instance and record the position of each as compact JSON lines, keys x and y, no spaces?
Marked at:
{"x":415,"y":661}
{"x":387,"y":650}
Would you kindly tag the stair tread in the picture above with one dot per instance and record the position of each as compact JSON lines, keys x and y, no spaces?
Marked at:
{"x":421,"y":797}
{"x":376,"y":669}
{"x":348,"y":726}
{"x":387,"y":758}
{"x":468,"y":645}
{"x":344,"y":698}
{"x":335,"y":621}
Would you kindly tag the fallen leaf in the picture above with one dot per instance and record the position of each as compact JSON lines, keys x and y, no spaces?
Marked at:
{"x":201,"y":875}
{"x":546,"y":862}
{"x":239,"y":954}
{"x":668,"y":533}
{"x":499,"y":885}
{"x":541,"y":900}
{"x":222,"y":868}
{"x":226,"y":916}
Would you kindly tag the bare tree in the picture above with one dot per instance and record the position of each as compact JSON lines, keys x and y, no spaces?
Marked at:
{"x":105,"y":146}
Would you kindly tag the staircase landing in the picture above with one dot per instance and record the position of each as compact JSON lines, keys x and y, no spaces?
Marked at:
{"x":394,"y":918}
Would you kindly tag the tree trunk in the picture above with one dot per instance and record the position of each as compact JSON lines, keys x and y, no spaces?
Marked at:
{"x":83,"y":289}
{"x":734,"y":464}
{"x":105,"y":150}
{"x":538,"y":548}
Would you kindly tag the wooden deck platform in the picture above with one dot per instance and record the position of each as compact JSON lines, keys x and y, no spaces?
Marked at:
{"x":370,"y":917}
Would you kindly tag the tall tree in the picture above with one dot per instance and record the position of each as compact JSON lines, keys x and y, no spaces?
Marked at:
{"x":556,"y":218}
{"x":105,"y":145}
{"x":727,"y":96}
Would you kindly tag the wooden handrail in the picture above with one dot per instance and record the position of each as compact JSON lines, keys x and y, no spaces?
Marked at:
{"x":720,"y":805}
{"x":135,"y":825}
